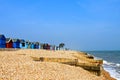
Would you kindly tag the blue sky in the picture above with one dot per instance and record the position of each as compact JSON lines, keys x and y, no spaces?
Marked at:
{"x":80,"y":24}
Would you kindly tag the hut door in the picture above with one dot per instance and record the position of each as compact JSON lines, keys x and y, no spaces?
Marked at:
{"x":23,"y":44}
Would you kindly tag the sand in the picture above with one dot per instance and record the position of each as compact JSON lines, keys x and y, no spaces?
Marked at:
{"x":18,"y":65}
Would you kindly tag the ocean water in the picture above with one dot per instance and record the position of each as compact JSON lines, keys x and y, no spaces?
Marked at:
{"x":111,"y":61}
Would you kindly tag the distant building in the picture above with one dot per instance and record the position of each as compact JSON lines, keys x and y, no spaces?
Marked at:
{"x":2,"y":41}
{"x":9,"y":43}
{"x":16,"y":43}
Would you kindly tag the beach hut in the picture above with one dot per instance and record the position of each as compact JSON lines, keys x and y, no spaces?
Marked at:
{"x":57,"y":48}
{"x":29,"y":44}
{"x":52,"y":47}
{"x":2,"y":41}
{"x":46,"y":46}
{"x":9,"y":43}
{"x":41,"y":45}
{"x":16,"y":43}
{"x":37,"y":45}
{"x":23,"y":44}
{"x":32,"y":45}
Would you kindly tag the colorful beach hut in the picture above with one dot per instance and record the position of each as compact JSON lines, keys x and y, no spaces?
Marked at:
{"x":52,"y":47}
{"x":9,"y":43}
{"x":37,"y":45}
{"x":46,"y":46}
{"x":57,"y":48}
{"x":16,"y":43}
{"x":32,"y":45}
{"x":2,"y":41}
{"x":29,"y":44}
{"x":41,"y":45}
{"x":23,"y":44}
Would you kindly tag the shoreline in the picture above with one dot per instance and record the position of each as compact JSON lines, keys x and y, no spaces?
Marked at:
{"x":20,"y":60}
{"x":108,"y":65}
{"x":107,"y":75}
{"x":111,"y":71}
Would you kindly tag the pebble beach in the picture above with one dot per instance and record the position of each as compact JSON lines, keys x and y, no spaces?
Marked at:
{"x":18,"y":65}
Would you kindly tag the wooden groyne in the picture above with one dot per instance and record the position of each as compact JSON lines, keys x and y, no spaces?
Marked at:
{"x":94,"y":68}
{"x":88,"y":58}
{"x":60,"y":60}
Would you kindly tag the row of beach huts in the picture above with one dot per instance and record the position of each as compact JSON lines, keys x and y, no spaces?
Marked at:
{"x":24,"y":44}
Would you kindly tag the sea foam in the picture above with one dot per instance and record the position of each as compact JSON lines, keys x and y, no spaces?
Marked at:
{"x":111,"y":68}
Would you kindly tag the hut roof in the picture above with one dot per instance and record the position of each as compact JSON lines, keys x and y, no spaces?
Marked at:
{"x":22,"y":41}
{"x":52,"y":45}
{"x":32,"y":42}
{"x":15,"y":40}
{"x":8,"y":40}
{"x":28,"y":42}
{"x":37,"y":43}
{"x":1,"y":35}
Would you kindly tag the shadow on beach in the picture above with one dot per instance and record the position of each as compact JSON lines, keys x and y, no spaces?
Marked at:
{"x":9,"y":49}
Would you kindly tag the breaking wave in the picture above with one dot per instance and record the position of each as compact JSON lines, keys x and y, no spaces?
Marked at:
{"x":112,"y":68}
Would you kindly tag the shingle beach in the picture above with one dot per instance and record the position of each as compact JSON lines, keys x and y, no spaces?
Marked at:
{"x":18,"y":65}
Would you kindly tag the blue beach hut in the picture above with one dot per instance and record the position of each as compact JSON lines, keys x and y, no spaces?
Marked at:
{"x":37,"y":45}
{"x":32,"y":45}
{"x":23,"y":44}
{"x":2,"y":41}
{"x":16,"y":43}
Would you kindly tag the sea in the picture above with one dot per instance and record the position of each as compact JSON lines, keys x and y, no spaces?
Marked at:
{"x":111,"y":61}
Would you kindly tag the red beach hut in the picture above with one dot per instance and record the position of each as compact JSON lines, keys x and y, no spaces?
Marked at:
{"x":9,"y":43}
